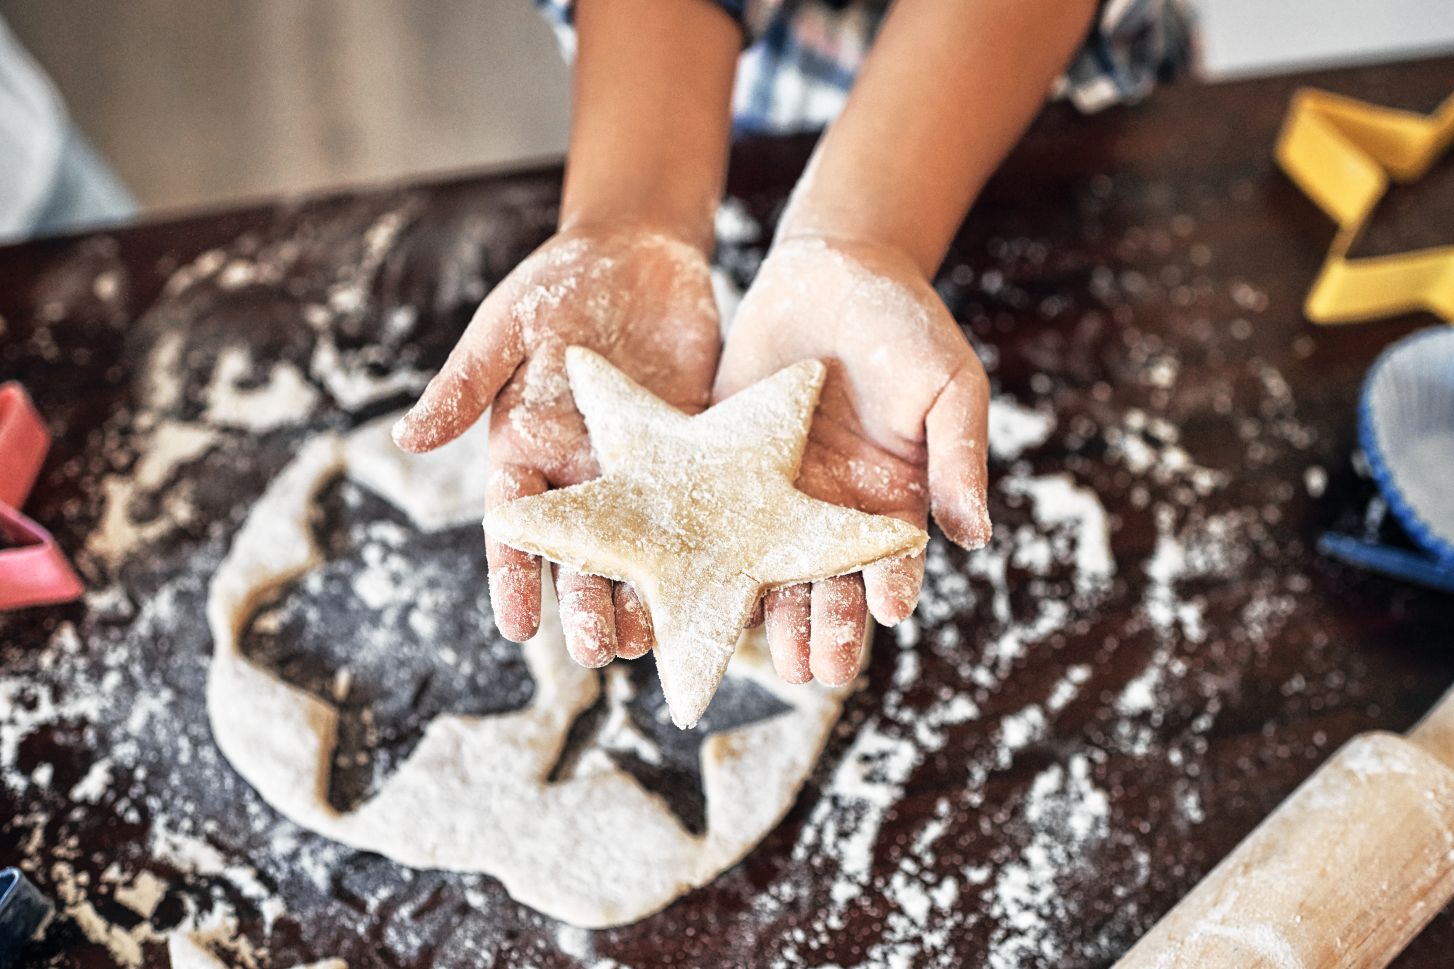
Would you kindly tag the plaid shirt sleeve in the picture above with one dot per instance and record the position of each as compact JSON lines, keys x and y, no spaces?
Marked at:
{"x":801,"y":56}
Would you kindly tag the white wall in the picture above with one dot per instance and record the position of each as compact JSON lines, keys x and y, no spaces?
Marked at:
{"x":1244,"y":37}
{"x":200,"y":102}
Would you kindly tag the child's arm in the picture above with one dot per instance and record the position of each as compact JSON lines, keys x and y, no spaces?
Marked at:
{"x":947,"y":89}
{"x":652,"y":115}
{"x":626,"y":275}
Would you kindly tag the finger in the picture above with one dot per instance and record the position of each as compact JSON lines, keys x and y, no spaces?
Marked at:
{"x":892,"y":587}
{"x":587,"y":616}
{"x":758,"y":613}
{"x":478,"y":366}
{"x":786,"y":613}
{"x":838,"y":617}
{"x":514,"y":575}
{"x":957,"y":432}
{"x":634,"y":635}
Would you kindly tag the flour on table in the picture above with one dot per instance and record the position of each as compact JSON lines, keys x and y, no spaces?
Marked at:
{"x":898,"y":860}
{"x":141,"y":894}
{"x":1058,"y":500}
{"x":355,"y":387}
{"x":189,"y":950}
{"x":1015,"y":428}
{"x":284,"y":397}
{"x":167,"y":447}
{"x":171,"y":445}
{"x":1066,"y":813}
{"x":734,"y":225}
{"x":94,"y":784}
{"x":1061,"y":824}
{"x":195,"y":855}
{"x":127,"y":941}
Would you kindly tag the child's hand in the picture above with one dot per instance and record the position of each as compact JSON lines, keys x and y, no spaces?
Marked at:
{"x":640,"y":298}
{"x":900,"y":427}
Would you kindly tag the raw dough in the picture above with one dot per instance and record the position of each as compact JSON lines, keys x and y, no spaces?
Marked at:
{"x":698,"y":513}
{"x":593,"y":850}
{"x":188,"y":951}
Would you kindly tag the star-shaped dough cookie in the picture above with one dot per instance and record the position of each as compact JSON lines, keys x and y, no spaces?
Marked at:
{"x":698,"y":513}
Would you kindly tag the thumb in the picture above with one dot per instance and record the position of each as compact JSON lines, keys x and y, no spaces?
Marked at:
{"x":957,"y":433}
{"x":484,"y":358}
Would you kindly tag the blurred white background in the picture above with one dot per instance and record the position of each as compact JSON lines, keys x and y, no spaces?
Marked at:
{"x":200,"y":104}
{"x":1243,"y":37}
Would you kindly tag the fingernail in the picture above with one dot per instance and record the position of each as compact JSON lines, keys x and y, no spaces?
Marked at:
{"x":412,"y":431}
{"x":402,"y":430}
{"x":986,"y":532}
{"x":796,"y":675}
{"x":982,"y":530}
{"x":901,"y":609}
{"x":833,"y":677}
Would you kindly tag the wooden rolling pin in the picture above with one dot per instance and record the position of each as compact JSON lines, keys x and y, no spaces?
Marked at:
{"x":1344,"y":873}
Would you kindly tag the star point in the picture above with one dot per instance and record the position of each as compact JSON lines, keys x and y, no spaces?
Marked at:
{"x":699,"y":513}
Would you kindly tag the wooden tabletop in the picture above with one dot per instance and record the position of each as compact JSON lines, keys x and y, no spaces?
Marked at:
{"x":1056,"y":749}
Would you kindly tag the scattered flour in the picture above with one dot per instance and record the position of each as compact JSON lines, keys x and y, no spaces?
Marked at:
{"x":355,"y":387}
{"x":1067,"y":815}
{"x":163,"y":451}
{"x":142,"y":894}
{"x":1059,"y":501}
{"x":89,"y":789}
{"x":734,"y":225}
{"x":285,"y":397}
{"x":195,"y":856}
{"x":1015,"y":429}
{"x":974,"y":689}
{"x":171,"y":445}
{"x":1315,"y":479}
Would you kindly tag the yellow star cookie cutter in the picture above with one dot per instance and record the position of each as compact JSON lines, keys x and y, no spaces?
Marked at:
{"x":1342,"y":153}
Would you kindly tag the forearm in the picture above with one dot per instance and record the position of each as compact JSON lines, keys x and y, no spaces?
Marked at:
{"x":949,"y":87}
{"x":651,"y":120}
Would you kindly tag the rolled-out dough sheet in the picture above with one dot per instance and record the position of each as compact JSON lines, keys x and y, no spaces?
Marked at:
{"x":594,"y":851}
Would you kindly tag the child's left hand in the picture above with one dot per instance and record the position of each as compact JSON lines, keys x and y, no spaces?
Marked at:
{"x":900,"y":427}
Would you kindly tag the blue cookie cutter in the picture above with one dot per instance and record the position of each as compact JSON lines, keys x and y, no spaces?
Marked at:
{"x":23,"y":910}
{"x":1406,"y":430}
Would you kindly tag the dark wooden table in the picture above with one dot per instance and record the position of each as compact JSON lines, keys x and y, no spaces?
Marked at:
{"x":1031,"y":780}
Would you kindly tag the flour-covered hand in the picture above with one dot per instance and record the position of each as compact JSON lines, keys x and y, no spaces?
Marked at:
{"x":900,"y":427}
{"x":640,"y":298}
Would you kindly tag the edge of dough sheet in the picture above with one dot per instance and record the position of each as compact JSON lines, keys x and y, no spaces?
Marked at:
{"x":595,"y":850}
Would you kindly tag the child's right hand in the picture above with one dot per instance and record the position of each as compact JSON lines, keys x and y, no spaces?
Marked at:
{"x":639,"y":297}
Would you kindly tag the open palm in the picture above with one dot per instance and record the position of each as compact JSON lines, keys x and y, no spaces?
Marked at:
{"x":639,"y":298}
{"x":900,"y":427}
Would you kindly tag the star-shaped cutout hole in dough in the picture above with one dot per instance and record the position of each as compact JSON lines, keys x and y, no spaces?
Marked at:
{"x":699,"y":513}
{"x":388,"y":626}
{"x":627,"y":727}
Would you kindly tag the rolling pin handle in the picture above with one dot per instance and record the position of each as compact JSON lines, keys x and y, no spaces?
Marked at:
{"x":1435,"y":732}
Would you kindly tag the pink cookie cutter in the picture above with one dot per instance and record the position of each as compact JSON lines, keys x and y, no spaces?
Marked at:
{"x":33,"y":572}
